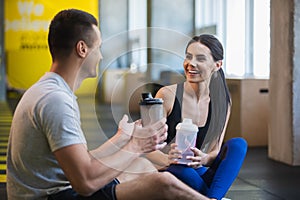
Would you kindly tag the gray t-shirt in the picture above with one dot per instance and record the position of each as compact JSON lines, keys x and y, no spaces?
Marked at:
{"x":46,"y":119}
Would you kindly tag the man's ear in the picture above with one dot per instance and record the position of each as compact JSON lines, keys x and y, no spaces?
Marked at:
{"x":81,"y":49}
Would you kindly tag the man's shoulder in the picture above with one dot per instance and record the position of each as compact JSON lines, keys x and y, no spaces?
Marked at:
{"x":47,"y":94}
{"x":47,"y":91}
{"x":51,"y":84}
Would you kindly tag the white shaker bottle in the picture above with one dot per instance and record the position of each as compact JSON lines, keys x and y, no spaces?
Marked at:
{"x":186,"y":135}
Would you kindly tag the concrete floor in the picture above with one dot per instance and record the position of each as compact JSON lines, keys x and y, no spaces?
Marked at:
{"x":259,"y":179}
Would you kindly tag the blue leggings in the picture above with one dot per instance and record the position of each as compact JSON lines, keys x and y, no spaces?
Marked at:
{"x":215,"y":181}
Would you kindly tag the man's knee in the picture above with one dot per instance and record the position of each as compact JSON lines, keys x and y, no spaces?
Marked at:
{"x":165,"y":180}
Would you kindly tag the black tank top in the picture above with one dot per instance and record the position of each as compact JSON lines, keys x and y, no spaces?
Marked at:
{"x":175,"y":117}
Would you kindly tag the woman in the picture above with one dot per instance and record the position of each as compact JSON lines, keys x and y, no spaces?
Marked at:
{"x":204,"y":98}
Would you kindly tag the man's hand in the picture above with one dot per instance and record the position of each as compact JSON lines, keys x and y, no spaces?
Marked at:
{"x":150,"y":138}
{"x":125,"y":128}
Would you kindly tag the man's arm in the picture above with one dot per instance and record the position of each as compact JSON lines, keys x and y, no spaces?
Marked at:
{"x":89,"y":171}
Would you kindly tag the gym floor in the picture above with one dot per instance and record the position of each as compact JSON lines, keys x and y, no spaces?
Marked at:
{"x":260,"y":178}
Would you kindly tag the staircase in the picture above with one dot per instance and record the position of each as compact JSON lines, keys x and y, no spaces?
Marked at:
{"x":5,"y":122}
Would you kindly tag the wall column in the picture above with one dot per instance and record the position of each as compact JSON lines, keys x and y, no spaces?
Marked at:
{"x":284,"y":125}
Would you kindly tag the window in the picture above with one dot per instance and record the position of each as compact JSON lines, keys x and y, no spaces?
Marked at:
{"x":169,"y":34}
{"x":137,"y":35}
{"x":114,"y":29}
{"x":243,"y":27}
{"x":261,"y":45}
{"x":235,"y":38}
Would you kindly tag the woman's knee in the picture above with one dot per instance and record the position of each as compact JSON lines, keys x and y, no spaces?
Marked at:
{"x":237,"y":145}
{"x":234,"y":149}
{"x":180,"y":170}
{"x":238,"y":141}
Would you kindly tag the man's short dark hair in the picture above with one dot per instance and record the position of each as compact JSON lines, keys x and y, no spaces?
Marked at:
{"x":67,"y":28}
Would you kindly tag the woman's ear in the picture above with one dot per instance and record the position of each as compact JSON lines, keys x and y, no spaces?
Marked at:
{"x":81,"y":49}
{"x":219,"y":64}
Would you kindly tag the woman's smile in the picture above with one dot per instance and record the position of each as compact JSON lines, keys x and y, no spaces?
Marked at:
{"x":193,"y":72}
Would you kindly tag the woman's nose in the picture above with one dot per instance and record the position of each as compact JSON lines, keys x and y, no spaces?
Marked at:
{"x":193,"y":63}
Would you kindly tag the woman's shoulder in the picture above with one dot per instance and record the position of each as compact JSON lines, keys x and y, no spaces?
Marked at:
{"x":167,"y":91}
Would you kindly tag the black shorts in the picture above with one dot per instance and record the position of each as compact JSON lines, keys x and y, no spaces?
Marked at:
{"x":108,"y":192}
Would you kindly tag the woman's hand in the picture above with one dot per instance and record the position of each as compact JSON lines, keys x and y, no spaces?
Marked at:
{"x":198,"y":159}
{"x":174,"y":154}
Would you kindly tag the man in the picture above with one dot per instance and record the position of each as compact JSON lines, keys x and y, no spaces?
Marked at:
{"x":47,"y":154}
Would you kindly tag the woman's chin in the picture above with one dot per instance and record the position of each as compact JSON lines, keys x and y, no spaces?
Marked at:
{"x":192,"y":79}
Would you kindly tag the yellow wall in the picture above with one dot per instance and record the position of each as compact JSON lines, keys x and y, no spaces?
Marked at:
{"x":26,"y":30}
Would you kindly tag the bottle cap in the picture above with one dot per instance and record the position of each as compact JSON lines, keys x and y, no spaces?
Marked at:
{"x":147,"y":99}
{"x":187,"y":125}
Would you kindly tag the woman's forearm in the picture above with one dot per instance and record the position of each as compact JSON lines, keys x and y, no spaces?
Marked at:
{"x":158,"y":158}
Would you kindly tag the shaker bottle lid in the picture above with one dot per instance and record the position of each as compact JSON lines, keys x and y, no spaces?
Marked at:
{"x":187,"y":125}
{"x":147,"y":99}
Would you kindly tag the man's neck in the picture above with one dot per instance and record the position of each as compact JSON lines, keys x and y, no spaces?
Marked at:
{"x":68,"y":71}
